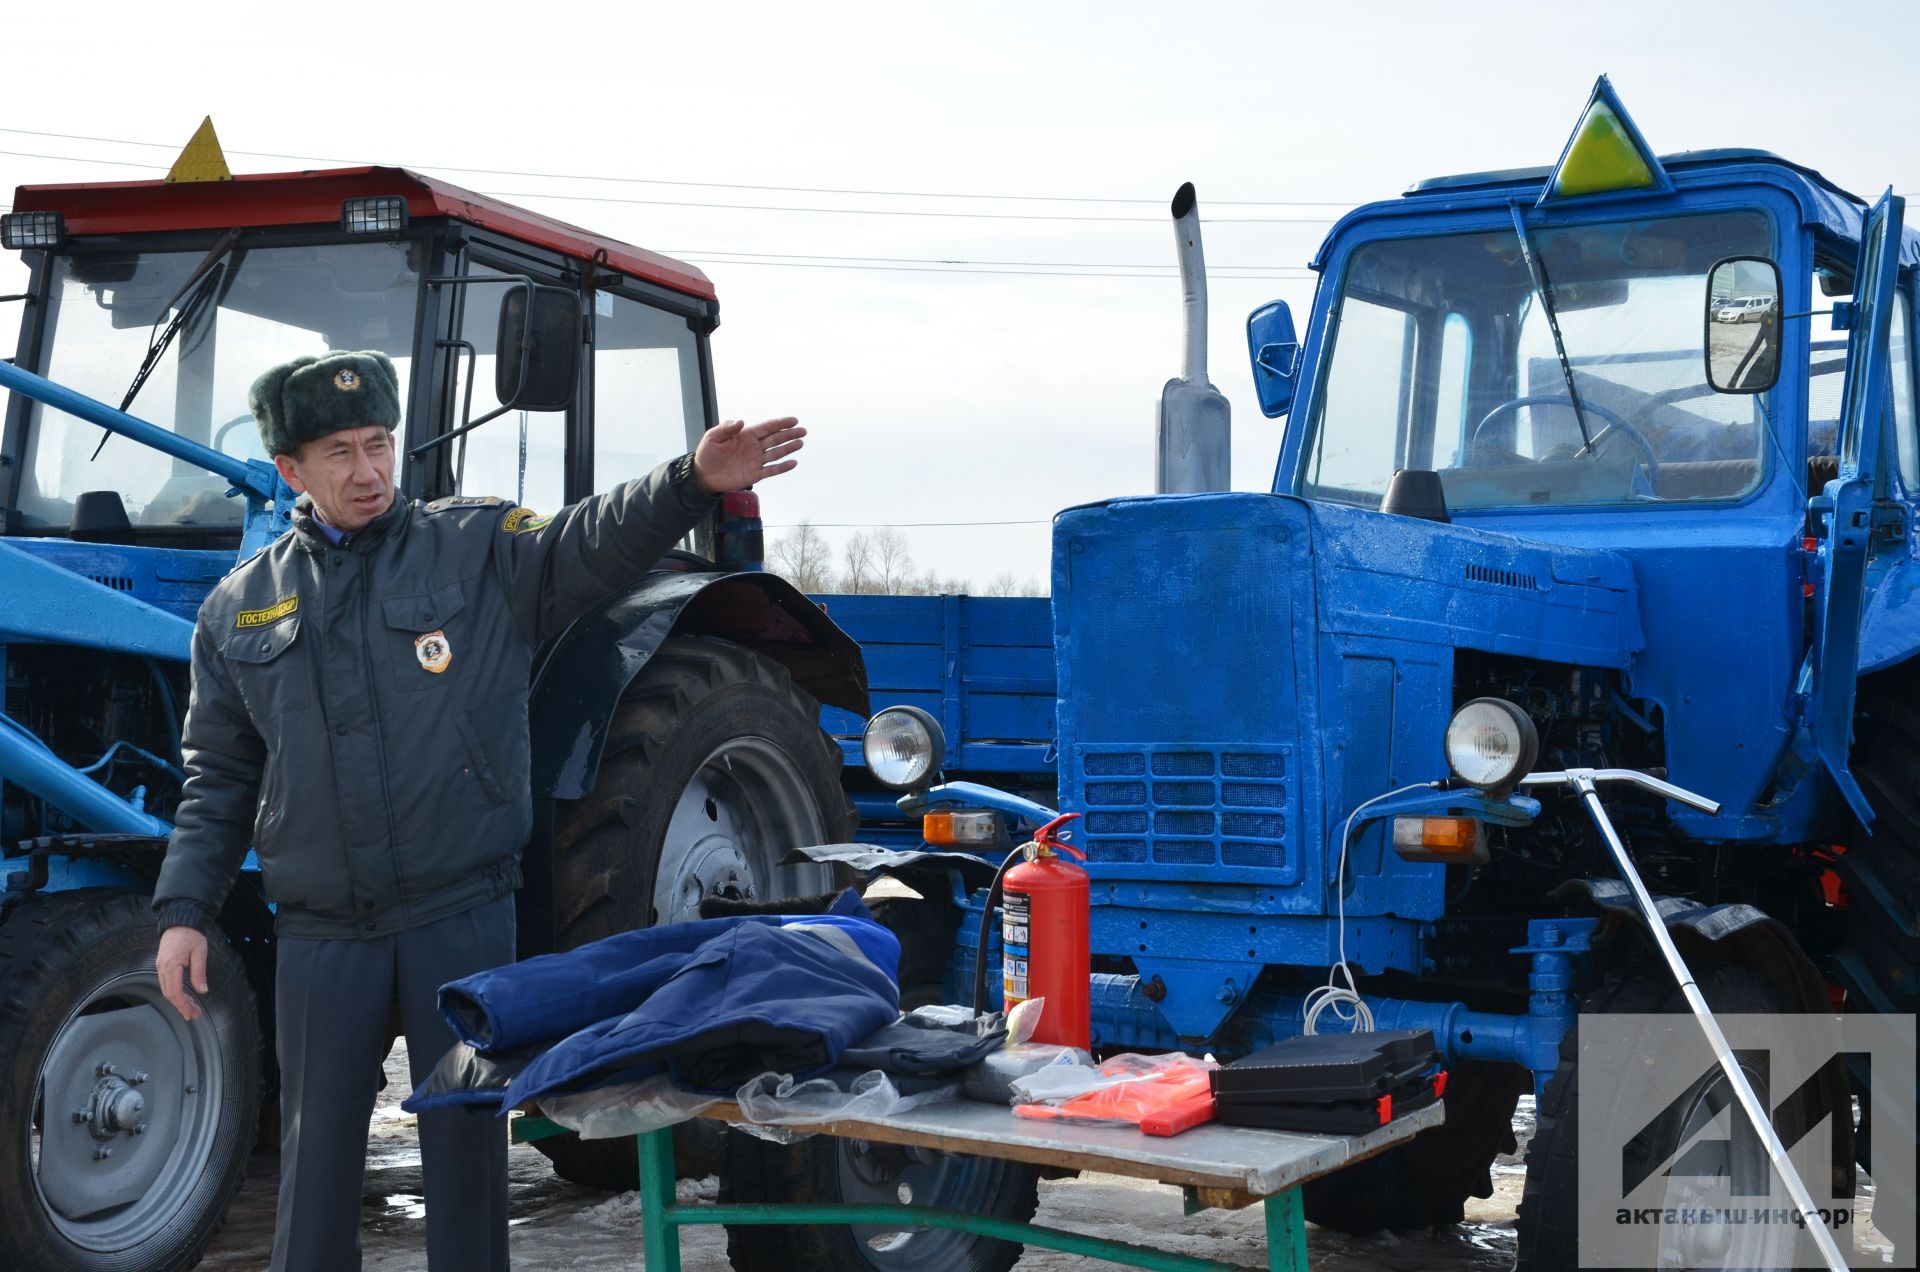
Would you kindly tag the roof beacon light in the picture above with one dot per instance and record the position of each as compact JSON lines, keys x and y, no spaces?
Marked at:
{"x":21,"y":230}
{"x":1606,"y":154}
{"x":380,"y":214}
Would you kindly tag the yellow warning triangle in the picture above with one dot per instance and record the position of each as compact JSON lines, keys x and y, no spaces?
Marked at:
{"x":202,"y":160}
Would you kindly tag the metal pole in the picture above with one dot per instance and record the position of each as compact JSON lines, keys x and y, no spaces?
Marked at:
{"x":1584,"y":782}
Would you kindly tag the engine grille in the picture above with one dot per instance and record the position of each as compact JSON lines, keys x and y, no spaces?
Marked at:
{"x":1186,"y":805}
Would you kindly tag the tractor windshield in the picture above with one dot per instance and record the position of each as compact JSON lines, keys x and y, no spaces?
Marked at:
{"x":1442,"y":358}
{"x":261,"y":305}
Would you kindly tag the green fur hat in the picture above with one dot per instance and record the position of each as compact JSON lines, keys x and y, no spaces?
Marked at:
{"x":307,"y":398}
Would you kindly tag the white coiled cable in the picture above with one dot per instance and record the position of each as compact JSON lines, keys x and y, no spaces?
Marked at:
{"x":1334,"y":994}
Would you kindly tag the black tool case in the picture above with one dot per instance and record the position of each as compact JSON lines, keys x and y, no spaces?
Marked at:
{"x":1339,"y":1083}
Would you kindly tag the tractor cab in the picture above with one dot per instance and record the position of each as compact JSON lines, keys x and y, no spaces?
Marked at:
{"x":537,"y":362}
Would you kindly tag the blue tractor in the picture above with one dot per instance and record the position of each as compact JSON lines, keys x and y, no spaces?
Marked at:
{"x":677,"y":739}
{"x":1608,"y":465}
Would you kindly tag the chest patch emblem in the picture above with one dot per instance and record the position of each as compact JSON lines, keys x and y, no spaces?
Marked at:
{"x":433,"y":651}
{"x":272,"y":614}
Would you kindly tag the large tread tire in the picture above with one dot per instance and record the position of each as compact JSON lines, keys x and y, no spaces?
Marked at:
{"x":1547,"y":1224}
{"x":95,"y":950}
{"x":1877,"y":962}
{"x":1426,"y":1182}
{"x":694,"y":696}
{"x":813,"y":1170}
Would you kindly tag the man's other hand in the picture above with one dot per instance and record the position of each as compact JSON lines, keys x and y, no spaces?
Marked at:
{"x":182,"y":961}
{"x":734,"y":455}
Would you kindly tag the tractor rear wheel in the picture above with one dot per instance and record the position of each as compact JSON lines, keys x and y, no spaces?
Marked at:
{"x":124,"y":1130}
{"x":1548,"y":1223}
{"x":829,"y":1170}
{"x":1426,"y":1181}
{"x":715,"y":768}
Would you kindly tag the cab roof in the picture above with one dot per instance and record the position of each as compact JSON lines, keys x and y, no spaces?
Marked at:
{"x":1823,"y":204}
{"x":313,"y":197}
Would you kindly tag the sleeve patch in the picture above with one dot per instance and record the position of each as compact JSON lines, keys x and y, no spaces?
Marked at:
{"x":272,"y":614}
{"x":523,"y":521}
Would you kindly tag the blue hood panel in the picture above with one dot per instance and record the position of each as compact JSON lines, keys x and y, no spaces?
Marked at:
{"x":1225,"y":660}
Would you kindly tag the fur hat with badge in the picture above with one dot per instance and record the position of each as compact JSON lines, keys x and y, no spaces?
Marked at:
{"x":300,"y":401}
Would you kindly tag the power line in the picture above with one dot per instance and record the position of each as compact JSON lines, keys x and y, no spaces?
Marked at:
{"x":1015,"y":273}
{"x":938,"y":260}
{"x":845,"y":212}
{"x":970,"y":216}
{"x":712,"y":185}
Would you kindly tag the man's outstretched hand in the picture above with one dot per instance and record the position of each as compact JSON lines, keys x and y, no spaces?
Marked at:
{"x":734,"y":455}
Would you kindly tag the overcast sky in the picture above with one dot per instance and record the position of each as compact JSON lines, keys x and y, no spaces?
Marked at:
{"x":963,"y":396}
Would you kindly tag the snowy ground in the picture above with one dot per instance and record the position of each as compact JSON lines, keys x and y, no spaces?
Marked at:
{"x":557,"y":1225}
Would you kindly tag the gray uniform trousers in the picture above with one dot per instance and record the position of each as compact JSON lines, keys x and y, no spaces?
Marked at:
{"x":332,"y":1008}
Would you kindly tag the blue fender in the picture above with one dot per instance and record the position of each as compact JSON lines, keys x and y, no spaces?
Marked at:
{"x":1733,"y":932}
{"x":583,"y":674}
{"x":1890,"y":623}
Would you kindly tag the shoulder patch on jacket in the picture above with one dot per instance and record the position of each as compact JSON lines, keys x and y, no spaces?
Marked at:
{"x":465,"y":501}
{"x":522,"y":521}
{"x":272,"y":614}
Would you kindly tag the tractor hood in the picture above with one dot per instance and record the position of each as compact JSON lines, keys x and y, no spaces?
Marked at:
{"x":1238,"y":671}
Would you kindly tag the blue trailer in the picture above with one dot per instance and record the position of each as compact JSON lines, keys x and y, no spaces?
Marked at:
{"x":1605,"y":465}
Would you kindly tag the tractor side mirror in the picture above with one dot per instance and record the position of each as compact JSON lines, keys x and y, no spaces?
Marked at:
{"x":537,"y":358}
{"x":1275,"y":351}
{"x":1743,"y":325}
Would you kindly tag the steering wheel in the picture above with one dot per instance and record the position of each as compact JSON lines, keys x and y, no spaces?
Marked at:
{"x":1648,"y":460}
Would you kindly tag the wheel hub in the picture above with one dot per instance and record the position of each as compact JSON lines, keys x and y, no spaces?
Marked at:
{"x":115,"y":1106}
{"x":744,"y":808}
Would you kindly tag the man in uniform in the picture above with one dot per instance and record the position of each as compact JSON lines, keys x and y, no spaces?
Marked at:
{"x":359,"y":716}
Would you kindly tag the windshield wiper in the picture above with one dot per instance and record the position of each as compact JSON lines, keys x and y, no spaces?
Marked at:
{"x":203,"y":282}
{"x":1542,"y":288}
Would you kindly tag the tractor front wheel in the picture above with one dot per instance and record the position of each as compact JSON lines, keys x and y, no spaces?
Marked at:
{"x":715,"y":768}
{"x":825,"y":1169}
{"x":124,"y":1130}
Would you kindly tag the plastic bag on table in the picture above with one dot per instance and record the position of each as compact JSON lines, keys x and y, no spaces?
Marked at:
{"x":628,"y":1109}
{"x":779,"y":1109}
{"x":1123,"y":1089}
{"x":991,"y":1080}
{"x":1023,"y":1020}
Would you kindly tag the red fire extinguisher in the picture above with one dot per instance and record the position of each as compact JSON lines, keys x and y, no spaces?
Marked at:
{"x":1044,"y":937}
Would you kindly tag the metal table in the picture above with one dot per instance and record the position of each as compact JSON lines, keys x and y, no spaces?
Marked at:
{"x":1218,"y":1165}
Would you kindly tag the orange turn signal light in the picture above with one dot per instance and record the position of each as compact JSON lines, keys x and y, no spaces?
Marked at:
{"x":1450,"y":839}
{"x":947,"y":827}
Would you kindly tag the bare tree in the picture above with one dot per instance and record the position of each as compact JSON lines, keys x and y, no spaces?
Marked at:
{"x":892,"y":560}
{"x":805,"y":557}
{"x":1004,"y":584}
{"x":856,"y":565}
{"x":1035,"y":587}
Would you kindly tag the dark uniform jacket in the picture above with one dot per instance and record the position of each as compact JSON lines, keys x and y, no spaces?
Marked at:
{"x":359,"y":712}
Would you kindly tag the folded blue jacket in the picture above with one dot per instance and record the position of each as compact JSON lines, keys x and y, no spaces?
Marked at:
{"x":757,"y":998}
{"x":546,"y":998}
{"x":718,"y":1001}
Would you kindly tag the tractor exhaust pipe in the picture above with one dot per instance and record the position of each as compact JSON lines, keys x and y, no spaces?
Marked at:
{"x":1192,"y":444}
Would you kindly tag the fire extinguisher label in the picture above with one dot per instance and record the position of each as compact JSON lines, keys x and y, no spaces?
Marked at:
{"x":1014,"y":925}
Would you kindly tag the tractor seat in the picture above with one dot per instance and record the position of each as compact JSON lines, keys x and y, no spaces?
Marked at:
{"x":99,"y":516}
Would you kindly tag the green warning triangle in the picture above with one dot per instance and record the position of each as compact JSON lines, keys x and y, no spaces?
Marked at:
{"x":202,"y":160}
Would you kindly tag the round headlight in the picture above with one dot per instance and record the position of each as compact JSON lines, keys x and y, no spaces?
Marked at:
{"x":904,"y":747}
{"x":1491,"y":744}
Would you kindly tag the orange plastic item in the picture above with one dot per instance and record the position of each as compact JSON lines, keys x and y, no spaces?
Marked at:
{"x":1165,"y":1096}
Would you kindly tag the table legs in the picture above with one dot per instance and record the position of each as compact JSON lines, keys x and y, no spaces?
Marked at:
{"x":659,"y":1236}
{"x":1286,"y":1232}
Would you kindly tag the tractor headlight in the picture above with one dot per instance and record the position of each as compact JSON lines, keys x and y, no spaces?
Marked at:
{"x":22,"y":230}
{"x":904,"y":747}
{"x":1491,"y":744}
